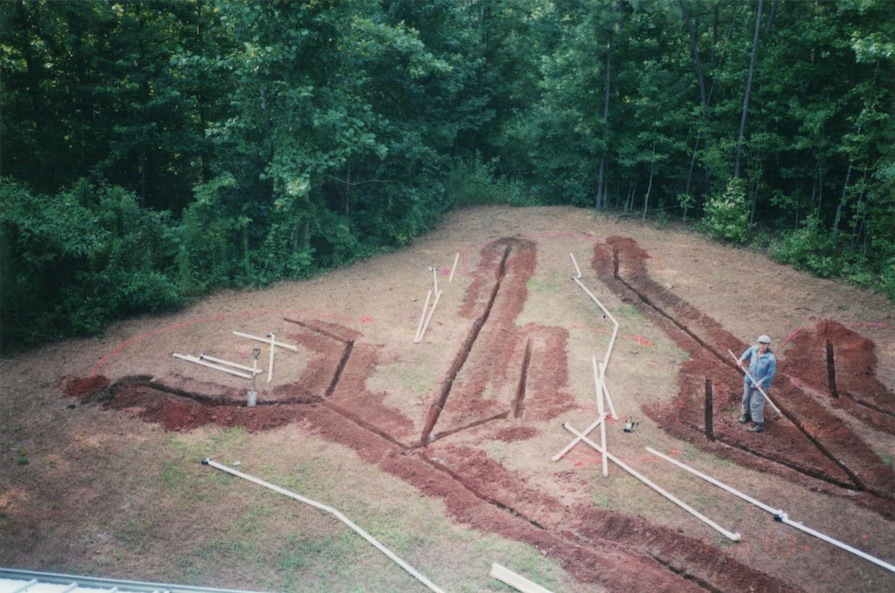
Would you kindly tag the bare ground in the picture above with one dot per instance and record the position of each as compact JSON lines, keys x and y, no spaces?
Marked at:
{"x":472,"y":415}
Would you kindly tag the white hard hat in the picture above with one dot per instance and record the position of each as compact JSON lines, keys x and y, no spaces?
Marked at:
{"x":763,"y":339}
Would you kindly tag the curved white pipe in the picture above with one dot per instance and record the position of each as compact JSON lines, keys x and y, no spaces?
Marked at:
{"x":332,"y":511}
{"x":575,"y":263}
{"x":611,"y":338}
{"x":728,"y":534}
{"x":778,"y":514}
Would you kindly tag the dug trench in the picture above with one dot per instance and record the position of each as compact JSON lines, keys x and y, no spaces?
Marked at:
{"x":502,"y":374}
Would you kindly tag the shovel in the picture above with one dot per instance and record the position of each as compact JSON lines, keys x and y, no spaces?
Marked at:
{"x":751,"y":378}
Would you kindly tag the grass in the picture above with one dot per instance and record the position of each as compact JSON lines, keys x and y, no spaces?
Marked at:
{"x":288,"y":546}
{"x":536,"y":285}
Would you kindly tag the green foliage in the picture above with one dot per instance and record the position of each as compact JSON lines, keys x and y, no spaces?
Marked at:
{"x":814,"y":249}
{"x":473,"y":182}
{"x":275,"y":166}
{"x":74,"y":261}
{"x":727,"y":215}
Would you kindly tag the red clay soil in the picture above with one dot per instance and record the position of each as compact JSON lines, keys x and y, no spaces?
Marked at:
{"x":503,"y":371}
{"x":811,"y":445}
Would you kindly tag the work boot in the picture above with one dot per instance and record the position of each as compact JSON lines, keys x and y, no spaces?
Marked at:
{"x":744,"y":419}
{"x":757,"y":427}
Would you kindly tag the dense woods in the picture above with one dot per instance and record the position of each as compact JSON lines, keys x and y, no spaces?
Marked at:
{"x":155,"y":150}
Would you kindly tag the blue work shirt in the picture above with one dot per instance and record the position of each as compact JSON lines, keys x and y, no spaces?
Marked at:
{"x":761,"y":366}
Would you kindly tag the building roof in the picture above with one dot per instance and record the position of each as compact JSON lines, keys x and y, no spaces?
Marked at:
{"x":26,"y":581}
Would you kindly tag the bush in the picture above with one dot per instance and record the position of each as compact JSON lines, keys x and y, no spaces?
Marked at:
{"x":472,"y":182}
{"x":727,"y":215}
{"x":77,"y":260}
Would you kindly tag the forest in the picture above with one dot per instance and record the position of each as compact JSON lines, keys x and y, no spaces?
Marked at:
{"x":153,"y":151}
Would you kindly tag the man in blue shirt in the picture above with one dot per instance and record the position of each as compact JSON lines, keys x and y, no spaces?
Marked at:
{"x":762,"y":366}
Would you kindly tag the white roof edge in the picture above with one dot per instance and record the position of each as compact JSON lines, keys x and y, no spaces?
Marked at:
{"x":24,"y":577}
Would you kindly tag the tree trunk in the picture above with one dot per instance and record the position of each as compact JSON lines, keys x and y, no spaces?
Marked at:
{"x":842,"y":199}
{"x":649,"y":186}
{"x":740,"y":138}
{"x":601,"y":186}
{"x":694,"y":52}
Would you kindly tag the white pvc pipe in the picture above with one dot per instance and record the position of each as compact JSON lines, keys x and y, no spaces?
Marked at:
{"x":608,"y":315}
{"x":228,"y":363}
{"x":614,"y":329}
{"x":779,"y":515}
{"x":273,"y":344}
{"x":728,"y":534}
{"x":267,"y":341}
{"x":212,"y":366}
{"x":577,"y":440}
{"x":575,"y":263}
{"x":598,"y":381}
{"x":331,"y":511}
{"x":712,"y":480}
{"x":454,"y":267}
{"x":606,"y":392}
{"x":419,"y":326}
{"x":784,"y":519}
{"x":751,"y":378}
{"x":435,"y":279}
{"x":431,"y":312}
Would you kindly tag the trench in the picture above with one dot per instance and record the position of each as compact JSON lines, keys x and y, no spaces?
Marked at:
{"x":687,"y":576}
{"x":831,"y":369}
{"x":463,"y":355}
{"x":523,"y":381}
{"x":343,"y":359}
{"x":858,"y":483}
{"x":352,"y":417}
{"x":481,"y":422}
{"x":477,"y":493}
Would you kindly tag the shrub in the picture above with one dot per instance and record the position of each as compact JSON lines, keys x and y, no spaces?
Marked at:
{"x":727,"y":215}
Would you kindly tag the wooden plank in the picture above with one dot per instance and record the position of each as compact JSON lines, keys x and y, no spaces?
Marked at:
{"x":514,"y":580}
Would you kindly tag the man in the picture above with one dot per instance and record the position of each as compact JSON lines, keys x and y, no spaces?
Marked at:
{"x":762,"y":366}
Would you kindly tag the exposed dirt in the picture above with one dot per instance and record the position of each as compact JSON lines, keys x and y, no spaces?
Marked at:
{"x":501,"y":384}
